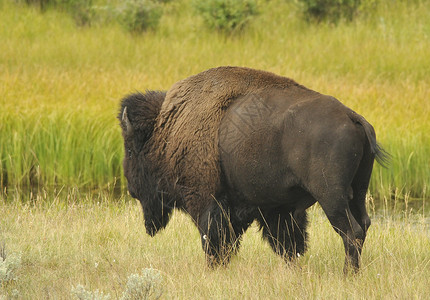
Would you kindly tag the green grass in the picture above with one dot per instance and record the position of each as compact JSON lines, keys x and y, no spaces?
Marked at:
{"x":98,"y":242}
{"x":61,"y":84}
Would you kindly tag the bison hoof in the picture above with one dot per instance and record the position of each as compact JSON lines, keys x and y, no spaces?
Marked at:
{"x":151,"y":230}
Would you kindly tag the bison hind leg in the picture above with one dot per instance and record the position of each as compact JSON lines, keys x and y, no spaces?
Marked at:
{"x":285,"y":230}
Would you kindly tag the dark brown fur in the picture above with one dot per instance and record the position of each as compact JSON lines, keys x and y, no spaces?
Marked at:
{"x":193,"y":109}
{"x":204,"y":147}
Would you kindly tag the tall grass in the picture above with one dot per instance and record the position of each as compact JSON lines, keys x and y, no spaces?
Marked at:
{"x":98,"y":243}
{"x":61,"y":85}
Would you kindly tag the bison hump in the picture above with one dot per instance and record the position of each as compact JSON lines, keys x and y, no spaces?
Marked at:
{"x":186,"y":134}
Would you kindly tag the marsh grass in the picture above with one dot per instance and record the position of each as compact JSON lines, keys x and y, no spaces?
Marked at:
{"x":61,"y":84}
{"x":99,"y":242}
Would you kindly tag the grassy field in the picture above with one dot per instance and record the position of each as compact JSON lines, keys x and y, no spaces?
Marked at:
{"x":61,"y":84}
{"x":61,"y":151}
{"x":99,"y":242}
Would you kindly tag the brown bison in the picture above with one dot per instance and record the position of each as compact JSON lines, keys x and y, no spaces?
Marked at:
{"x":232,"y":145}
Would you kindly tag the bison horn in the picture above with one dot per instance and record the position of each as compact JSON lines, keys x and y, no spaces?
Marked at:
{"x":126,"y":121}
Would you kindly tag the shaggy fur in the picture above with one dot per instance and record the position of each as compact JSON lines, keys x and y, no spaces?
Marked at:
{"x":151,"y":186}
{"x":142,"y":112}
{"x":193,"y":109}
{"x":232,"y":145}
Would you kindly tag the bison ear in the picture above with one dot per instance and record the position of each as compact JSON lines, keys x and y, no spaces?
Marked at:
{"x":126,"y":124}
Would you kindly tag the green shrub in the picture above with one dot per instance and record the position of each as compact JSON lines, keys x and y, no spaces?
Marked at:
{"x":330,"y":10}
{"x":42,"y":4}
{"x":139,"y":15}
{"x":81,"y":10}
{"x":226,"y":15}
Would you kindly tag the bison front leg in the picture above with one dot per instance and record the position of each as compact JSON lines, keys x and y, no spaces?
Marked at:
{"x":285,"y":231}
{"x":220,"y":238}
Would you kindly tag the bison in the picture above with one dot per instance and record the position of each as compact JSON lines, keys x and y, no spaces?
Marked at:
{"x":232,"y":145}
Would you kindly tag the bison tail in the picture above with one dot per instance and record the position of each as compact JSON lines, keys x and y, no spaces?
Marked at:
{"x":381,"y":155}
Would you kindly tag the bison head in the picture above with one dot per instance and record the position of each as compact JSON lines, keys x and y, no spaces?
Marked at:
{"x":137,"y":117}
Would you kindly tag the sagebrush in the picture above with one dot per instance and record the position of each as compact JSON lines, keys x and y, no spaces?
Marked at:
{"x":139,"y":15}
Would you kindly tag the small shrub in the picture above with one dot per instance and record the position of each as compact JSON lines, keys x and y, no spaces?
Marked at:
{"x":8,"y":266}
{"x":145,"y":286}
{"x":330,"y":10}
{"x":42,"y":4}
{"x":139,"y":15}
{"x":82,"y":11}
{"x":226,"y":15}
{"x":82,"y":294}
{"x":148,"y":285}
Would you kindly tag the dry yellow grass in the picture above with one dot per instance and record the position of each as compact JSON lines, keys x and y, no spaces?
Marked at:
{"x":73,"y":239}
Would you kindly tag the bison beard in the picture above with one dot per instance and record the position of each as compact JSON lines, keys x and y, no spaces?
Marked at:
{"x":232,"y":145}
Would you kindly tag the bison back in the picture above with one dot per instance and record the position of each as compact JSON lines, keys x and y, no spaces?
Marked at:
{"x":186,"y":135}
